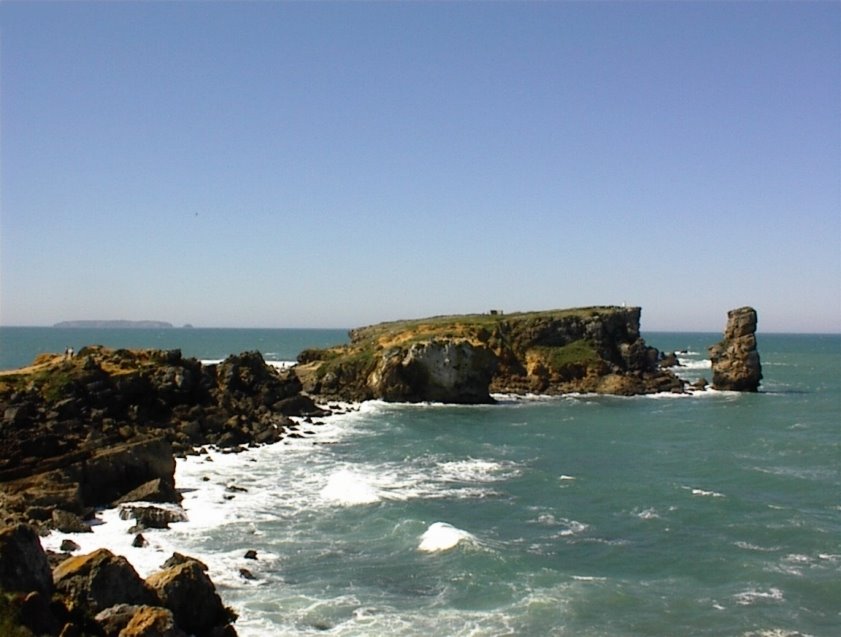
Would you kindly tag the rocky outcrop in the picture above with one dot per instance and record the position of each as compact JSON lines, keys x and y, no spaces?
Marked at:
{"x":101,"y":594}
{"x":735,"y":359}
{"x":463,"y":359}
{"x":86,"y":431}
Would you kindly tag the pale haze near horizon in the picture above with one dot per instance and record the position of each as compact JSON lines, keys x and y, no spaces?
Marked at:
{"x":339,"y":164}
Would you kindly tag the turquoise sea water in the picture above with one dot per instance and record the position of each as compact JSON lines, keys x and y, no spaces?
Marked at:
{"x":709,"y":514}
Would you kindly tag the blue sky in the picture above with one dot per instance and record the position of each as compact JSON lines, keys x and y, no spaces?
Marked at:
{"x":338,"y":164}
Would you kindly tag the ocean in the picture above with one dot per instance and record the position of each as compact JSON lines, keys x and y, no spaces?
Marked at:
{"x":714,"y":513}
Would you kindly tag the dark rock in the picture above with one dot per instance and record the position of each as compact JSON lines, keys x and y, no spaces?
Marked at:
{"x":735,"y":359}
{"x":700,"y":384}
{"x":111,"y":474}
{"x":67,"y":522}
{"x":669,"y":360}
{"x":157,"y":490}
{"x":69,"y":546}
{"x":96,"y":581}
{"x":251,"y":554}
{"x":112,"y":620}
{"x":151,"y":517}
{"x":244,"y":573}
{"x":36,"y":614}
{"x":139,"y":541}
{"x":23,"y":562}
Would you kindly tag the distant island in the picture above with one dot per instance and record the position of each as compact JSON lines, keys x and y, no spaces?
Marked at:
{"x":116,"y":324}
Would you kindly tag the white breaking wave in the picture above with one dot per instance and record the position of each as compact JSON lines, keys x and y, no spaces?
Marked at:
{"x":348,"y":488}
{"x":704,"y":493}
{"x":753,"y":596}
{"x":441,"y":536}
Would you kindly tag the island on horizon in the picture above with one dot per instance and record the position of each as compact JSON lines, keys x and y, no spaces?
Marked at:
{"x":115,"y":324}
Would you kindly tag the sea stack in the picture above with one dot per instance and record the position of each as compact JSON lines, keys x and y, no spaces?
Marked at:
{"x":735,"y":361}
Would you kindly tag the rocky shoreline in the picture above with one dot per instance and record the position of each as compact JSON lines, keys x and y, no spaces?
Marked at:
{"x":102,"y":428}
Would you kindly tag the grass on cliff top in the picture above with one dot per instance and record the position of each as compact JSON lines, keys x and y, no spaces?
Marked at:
{"x":578,"y":352}
{"x":54,"y":373}
{"x":461,"y":325}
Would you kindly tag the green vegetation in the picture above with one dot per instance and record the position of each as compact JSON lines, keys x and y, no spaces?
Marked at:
{"x":356,"y":361}
{"x":581,"y":352}
{"x":466,"y":325}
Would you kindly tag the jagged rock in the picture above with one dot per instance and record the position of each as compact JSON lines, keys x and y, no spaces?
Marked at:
{"x":735,"y":359}
{"x":96,"y":581}
{"x":139,"y":541}
{"x":151,"y":517}
{"x":187,"y":591}
{"x":23,"y":563}
{"x":251,"y":554}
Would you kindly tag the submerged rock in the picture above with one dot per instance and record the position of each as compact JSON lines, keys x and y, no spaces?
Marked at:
{"x":735,"y":359}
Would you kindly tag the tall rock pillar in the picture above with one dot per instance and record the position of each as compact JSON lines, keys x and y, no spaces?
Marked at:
{"x":735,"y":361}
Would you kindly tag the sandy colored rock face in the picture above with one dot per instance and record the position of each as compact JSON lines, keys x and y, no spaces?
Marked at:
{"x":735,"y":359}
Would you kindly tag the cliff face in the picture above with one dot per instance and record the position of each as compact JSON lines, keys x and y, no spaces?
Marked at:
{"x":463,"y":359}
{"x":735,"y":359}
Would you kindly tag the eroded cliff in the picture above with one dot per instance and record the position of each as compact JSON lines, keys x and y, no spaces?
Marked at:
{"x":464,"y":359}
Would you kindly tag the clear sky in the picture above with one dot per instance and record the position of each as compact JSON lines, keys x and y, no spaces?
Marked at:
{"x":337,"y":164}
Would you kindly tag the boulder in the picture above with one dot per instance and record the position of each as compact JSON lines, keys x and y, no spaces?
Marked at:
{"x":96,"y":581}
{"x":23,"y":563}
{"x":735,"y":359}
{"x":187,"y":591}
{"x":69,"y":546}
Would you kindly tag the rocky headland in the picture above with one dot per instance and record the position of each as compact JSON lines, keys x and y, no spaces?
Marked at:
{"x":464,"y":359}
{"x":101,"y":429}
{"x":735,"y":359}
{"x":103,"y":426}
